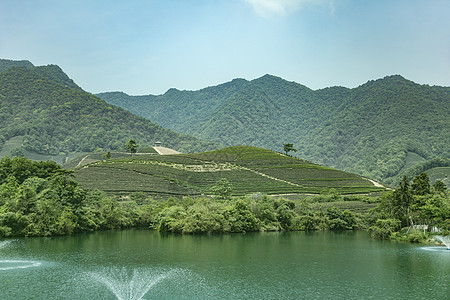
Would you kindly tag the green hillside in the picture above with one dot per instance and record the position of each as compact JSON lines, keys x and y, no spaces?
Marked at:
{"x":369,"y":130}
{"x":51,"y":116}
{"x":248,"y":169}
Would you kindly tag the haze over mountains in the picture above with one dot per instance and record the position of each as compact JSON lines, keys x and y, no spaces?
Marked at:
{"x":372,"y":130}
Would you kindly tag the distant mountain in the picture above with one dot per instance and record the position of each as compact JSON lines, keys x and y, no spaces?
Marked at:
{"x":55,"y":115}
{"x":369,"y":130}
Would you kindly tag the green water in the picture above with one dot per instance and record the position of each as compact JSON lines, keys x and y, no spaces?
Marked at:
{"x":141,"y":264}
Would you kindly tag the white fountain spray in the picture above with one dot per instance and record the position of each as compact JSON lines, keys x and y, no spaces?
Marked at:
{"x":11,"y":264}
{"x":130,"y":287}
{"x":444,"y":239}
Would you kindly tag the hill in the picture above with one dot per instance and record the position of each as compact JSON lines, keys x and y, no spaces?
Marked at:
{"x":369,"y":130}
{"x":248,"y":169}
{"x":48,"y":114}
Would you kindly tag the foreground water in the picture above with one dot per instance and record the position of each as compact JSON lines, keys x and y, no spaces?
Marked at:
{"x":141,"y":264}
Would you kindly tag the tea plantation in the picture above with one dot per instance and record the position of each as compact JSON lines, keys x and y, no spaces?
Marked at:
{"x":248,"y":169}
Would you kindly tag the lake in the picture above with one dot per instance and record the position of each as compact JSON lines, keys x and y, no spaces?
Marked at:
{"x":143,"y":264}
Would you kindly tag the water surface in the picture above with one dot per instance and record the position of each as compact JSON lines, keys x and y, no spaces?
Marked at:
{"x":142,"y":264}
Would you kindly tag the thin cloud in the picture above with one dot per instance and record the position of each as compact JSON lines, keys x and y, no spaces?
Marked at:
{"x":271,"y":8}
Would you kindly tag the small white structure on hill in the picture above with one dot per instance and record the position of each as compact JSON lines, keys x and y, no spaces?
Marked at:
{"x":164,"y":150}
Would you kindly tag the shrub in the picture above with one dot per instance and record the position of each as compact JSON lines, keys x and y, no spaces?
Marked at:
{"x":5,"y":231}
{"x":416,"y":236}
{"x":384,"y":228}
{"x":306,"y":222}
{"x":241,"y":218}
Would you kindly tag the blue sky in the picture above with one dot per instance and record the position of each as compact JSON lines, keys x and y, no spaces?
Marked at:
{"x":146,"y":47}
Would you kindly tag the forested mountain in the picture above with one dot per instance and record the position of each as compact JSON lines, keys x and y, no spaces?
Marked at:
{"x":54,"y":115}
{"x":369,"y":130}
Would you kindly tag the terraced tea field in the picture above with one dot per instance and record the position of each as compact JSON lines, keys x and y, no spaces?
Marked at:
{"x":248,"y":169}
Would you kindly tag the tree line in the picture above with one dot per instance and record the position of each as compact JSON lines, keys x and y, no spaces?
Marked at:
{"x":41,"y":199}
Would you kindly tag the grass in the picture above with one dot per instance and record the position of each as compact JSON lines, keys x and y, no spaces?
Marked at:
{"x":248,"y":169}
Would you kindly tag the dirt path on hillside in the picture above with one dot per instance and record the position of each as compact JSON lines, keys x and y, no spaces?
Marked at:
{"x":270,"y":177}
{"x":81,"y":161}
{"x":377,"y":184}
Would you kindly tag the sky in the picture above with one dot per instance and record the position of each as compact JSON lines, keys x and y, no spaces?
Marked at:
{"x":149,"y":46}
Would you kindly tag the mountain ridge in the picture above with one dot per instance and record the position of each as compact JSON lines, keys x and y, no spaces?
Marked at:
{"x":379,"y":121}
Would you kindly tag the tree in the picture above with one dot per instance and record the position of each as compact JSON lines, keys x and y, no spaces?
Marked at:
{"x":241,"y":218}
{"x":107,"y":155}
{"x":439,"y":186}
{"x":421,"y":184}
{"x":289,"y":147}
{"x":402,"y":201}
{"x":17,"y":152}
{"x":131,"y":146}
{"x":384,"y":228}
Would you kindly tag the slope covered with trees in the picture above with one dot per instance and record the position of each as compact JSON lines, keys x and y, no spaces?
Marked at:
{"x":369,"y":130}
{"x":54,"y":115}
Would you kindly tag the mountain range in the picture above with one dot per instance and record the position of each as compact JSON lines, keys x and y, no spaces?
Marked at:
{"x":53,"y":115}
{"x":381,"y":129}
{"x":373,"y":130}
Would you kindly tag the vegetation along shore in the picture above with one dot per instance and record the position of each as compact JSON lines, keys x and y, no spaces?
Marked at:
{"x":42,"y":199}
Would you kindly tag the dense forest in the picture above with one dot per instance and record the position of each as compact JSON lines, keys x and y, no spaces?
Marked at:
{"x":369,"y":130}
{"x":54,"y":116}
